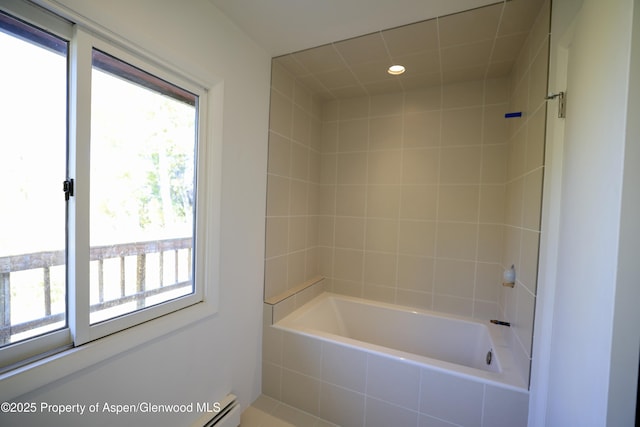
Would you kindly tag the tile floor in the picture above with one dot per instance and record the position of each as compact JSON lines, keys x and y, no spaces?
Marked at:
{"x":268,"y":412}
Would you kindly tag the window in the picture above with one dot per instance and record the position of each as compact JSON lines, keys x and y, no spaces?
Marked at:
{"x":99,"y":225}
{"x":141,"y":189}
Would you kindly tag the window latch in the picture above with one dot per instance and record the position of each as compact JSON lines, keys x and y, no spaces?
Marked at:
{"x":67,"y":187}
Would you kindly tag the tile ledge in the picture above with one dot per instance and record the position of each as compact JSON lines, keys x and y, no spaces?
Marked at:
{"x":291,"y":292}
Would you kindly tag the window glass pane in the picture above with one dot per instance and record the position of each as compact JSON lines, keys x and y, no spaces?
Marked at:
{"x":143,"y":144}
{"x":33,"y":149}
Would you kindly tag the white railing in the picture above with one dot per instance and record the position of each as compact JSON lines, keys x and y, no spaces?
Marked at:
{"x":169,"y":253}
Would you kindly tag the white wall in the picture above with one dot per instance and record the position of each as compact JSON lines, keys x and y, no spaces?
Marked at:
{"x":623,"y":381}
{"x":203,"y":361}
{"x":594,"y":264}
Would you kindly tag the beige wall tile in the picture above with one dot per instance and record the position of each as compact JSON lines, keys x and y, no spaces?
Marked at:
{"x":416,"y":237}
{"x":281,"y":112}
{"x":277,"y":236}
{"x":422,"y":129}
{"x":351,"y":200}
{"x":347,"y":287}
{"x":415,"y":273}
{"x":301,"y":125}
{"x":329,"y":137}
{"x":516,"y":154}
{"x":538,"y":79}
{"x":352,"y":168}
{"x":380,"y":269}
{"x":527,"y":272}
{"x":326,"y":200}
{"x":344,"y":366}
{"x":300,"y":391}
{"x":353,"y":108}
{"x":341,"y":406}
{"x":381,"y":235}
{"x":462,"y":126}
{"x":299,"y":161}
{"x":311,"y":267}
{"x":295,"y":268}
{"x":414,"y":299}
{"x":298,"y":197}
{"x":281,"y":80}
{"x":465,"y":56}
{"x":490,"y":238}
{"x":454,"y":305}
{"x":328,"y":168}
{"x":314,"y":166}
{"x":488,"y":281}
{"x":383,"y":201}
{"x":420,"y":166}
{"x":275,"y":276}
{"x":495,"y":126}
{"x":479,"y":24}
{"x":384,"y":167}
{"x":379,"y":293}
{"x":511,"y":246}
{"x":297,"y":233}
{"x":454,"y":278}
{"x":492,"y":199}
{"x":388,"y":104}
{"x":279,"y":155}
{"x":457,"y":240}
{"x":325,"y":263}
{"x":347,"y":264}
{"x":536,"y":128}
{"x":423,"y":100}
{"x":349,"y":232}
{"x":496,"y":91}
{"x":302,"y":97}
{"x":325,"y":230}
{"x":460,"y":165}
{"x":494,"y":164}
{"x":353,"y":135}
{"x":532,"y":200}
{"x":458,"y":203}
{"x":277,"y":195}
{"x":464,"y":94}
{"x":419,"y":202}
{"x":412,"y":38}
{"x":385,"y":133}
{"x":513,"y":202}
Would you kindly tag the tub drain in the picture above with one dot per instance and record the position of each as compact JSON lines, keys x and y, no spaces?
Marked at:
{"x":489,"y":357}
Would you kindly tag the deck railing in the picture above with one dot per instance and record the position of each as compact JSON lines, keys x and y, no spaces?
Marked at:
{"x":169,"y":254}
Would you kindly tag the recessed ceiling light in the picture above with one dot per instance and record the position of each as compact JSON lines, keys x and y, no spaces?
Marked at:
{"x":396,"y":70}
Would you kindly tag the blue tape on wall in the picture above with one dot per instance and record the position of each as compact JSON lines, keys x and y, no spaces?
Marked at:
{"x":511,"y":115}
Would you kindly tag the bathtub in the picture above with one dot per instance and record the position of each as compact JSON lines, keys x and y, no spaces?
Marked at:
{"x":415,"y":363}
{"x":458,"y":345}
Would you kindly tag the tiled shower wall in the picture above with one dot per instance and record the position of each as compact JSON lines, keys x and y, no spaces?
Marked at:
{"x":412,"y":196}
{"x":292,"y":185}
{"x":528,"y":86}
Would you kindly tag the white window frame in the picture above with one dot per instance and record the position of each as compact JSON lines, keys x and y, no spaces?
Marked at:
{"x":82,"y":45}
{"x":94,"y":343}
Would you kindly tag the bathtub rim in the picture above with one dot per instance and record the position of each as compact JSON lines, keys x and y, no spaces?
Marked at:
{"x":508,"y":378}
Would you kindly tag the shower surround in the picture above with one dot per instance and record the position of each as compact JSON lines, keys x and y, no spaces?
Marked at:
{"x":420,"y":198}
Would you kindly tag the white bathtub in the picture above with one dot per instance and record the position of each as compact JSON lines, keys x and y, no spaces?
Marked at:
{"x":445,"y":343}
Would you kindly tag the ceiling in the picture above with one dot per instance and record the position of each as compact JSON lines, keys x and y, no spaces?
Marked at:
{"x":322,"y":43}
{"x":285,"y":26}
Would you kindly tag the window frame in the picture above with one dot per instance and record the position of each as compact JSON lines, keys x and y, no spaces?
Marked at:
{"x":67,"y":350}
{"x":82,"y":45}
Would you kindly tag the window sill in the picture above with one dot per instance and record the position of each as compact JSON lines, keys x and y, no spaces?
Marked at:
{"x":47,"y":370}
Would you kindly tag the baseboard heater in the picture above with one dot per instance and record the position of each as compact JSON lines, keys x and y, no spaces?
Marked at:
{"x":228,"y":416}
